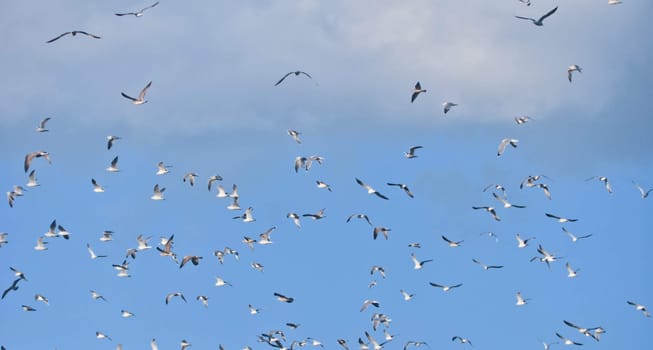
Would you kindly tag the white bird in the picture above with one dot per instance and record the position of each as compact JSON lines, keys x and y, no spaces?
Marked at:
{"x":445,"y":288}
{"x":106,"y":236}
{"x":370,"y":190}
{"x":369,"y":302}
{"x":418,"y":265}
{"x":603,"y":179}
{"x":567,"y":341}
{"x":247,"y":216}
{"x":526,"y":2}
{"x":169,"y":296}
{"x":489,"y":210}
{"x":38,"y":154}
{"x":234,"y":205}
{"x":403,"y":187}
{"x":523,"y":119}
{"x":461,"y":340}
{"x":416,"y":91}
{"x":185,"y":344}
{"x":113,"y":168}
{"x":95,"y":295}
{"x":573,"y":237}
{"x":572,"y":68}
{"x":505,"y":202}
{"x":141,"y":96}
{"x":27,"y":308}
{"x":521,"y":301}
{"x":316,"y":216}
{"x":447,"y":106}
{"x":41,"y":127}
{"x":111,"y":139}
{"x":451,"y":243}
{"x":360,"y":216}
{"x":40,"y":244}
{"x":32,"y":180}
{"x":547,"y":257}
{"x":322,"y":184}
{"x":139,"y":13}
{"x":381,"y":230}
{"x":487,"y":267}
{"x":504,"y":143}
{"x":92,"y":253}
{"x":378,"y":269}
{"x":153,"y":344}
{"x":101,"y":335}
{"x":522,"y":243}
{"x":204,"y":299}
{"x":190,"y":176}
{"x":3,"y":238}
{"x":411,"y":152}
{"x":571,"y":273}
{"x":126,"y":314}
{"x":283,"y":298}
{"x":73,"y":33}
{"x":406,"y":295}
{"x":63,"y":232}
{"x":539,"y":22}
{"x":219,"y":282}
{"x":560,"y":219}
{"x":257,"y":266}
{"x":614,"y":2}
{"x":643,"y":192}
{"x":221,"y":192}
{"x":158,"y":193}
{"x":639,"y":307}
{"x":96,"y":186}
{"x":162,"y":169}
{"x":11,"y":197}
{"x":295,"y":135}
{"x":213,"y":179}
{"x":41,"y":298}
{"x":295,"y":219}
{"x":143,"y":243}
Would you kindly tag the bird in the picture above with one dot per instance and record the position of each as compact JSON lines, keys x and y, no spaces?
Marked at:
{"x":445,"y":288}
{"x":414,"y":245}
{"x":295,"y":218}
{"x":296,"y":73}
{"x":406,"y":295}
{"x":95,"y":295}
{"x":295,"y":135}
{"x":3,"y":238}
{"x":153,"y":344}
{"x":101,"y":335}
{"x":38,"y":154}
{"x":416,"y":91}
{"x":522,"y":243}
{"x":27,"y":308}
{"x":139,"y":13}
{"x":571,"y":273}
{"x":257,"y":266}
{"x":92,"y":253}
{"x":461,"y":340}
{"x":316,"y":216}
{"x":11,"y":197}
{"x":573,"y":237}
{"x":113,"y":167}
{"x":487,"y":267}
{"x":418,"y":265}
{"x":360,"y":216}
{"x":283,"y":298}
{"x":411,"y":152}
{"x":52,"y":229}
{"x":572,"y":68}
{"x":489,"y":210}
{"x":497,"y":187}
{"x":63,"y":232}
{"x":545,"y":189}
{"x":96,"y":186}
{"x":204,"y":299}
{"x":539,"y":22}
{"x":560,"y":219}
{"x":158,"y":193}
{"x":614,"y":2}
{"x":12,"y":287}
{"x":41,"y":127}
{"x":639,"y":307}
{"x":505,"y":202}
{"x":73,"y":33}
{"x":192,"y":258}
{"x":521,"y":301}
{"x":18,"y":273}
{"x":547,"y":257}
{"x":369,"y":302}
{"x":526,"y":2}
{"x":141,"y":96}
{"x":414,"y":343}
{"x":523,"y":119}
{"x":447,"y":106}
{"x":247,"y":216}
{"x":643,"y":192}
{"x":451,"y":243}
{"x":190,"y":176}
{"x":567,"y":341}
{"x":169,"y":296}
{"x":253,"y":310}
{"x":403,"y":187}
{"x":213,"y":179}
{"x":381,"y":230}
{"x":184,"y":344}
{"x":322,"y":184}
{"x":126,"y":314}
{"x":40,"y":244}
{"x":32,"y":180}
{"x":505,"y":142}
{"x":370,"y":190}
{"x":234,"y":205}
{"x":603,"y":179}
{"x":378,"y":269}
{"x":219,"y":282}
{"x":111,"y":140}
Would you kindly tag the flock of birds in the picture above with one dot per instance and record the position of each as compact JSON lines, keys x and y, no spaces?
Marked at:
{"x":277,"y":338}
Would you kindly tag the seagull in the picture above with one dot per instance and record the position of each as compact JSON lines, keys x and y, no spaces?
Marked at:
{"x":545,"y":189}
{"x":418,"y":265}
{"x":445,"y":288}
{"x":219,"y":282}
{"x":639,"y":307}
{"x":567,"y":341}
{"x":253,"y":310}
{"x":614,"y":2}
{"x":369,"y":189}
{"x":316,"y":216}
{"x":111,"y":139}
{"x":37,"y":154}
{"x":504,"y":143}
{"x":139,"y":13}
{"x":113,"y":168}
{"x":17,"y":273}
{"x":204,"y":299}
{"x":96,"y":186}
{"x":184,"y":344}
{"x":529,"y":181}
{"x":360,"y":216}
{"x":27,"y":308}
{"x":522,"y":243}
{"x":403,"y":187}
{"x":12,"y":287}
{"x":487,"y":267}
{"x":141,"y":96}
{"x":162,"y":169}
{"x":257,"y":266}
{"x":221,"y":192}
{"x":461,"y":340}
{"x":560,"y":219}
{"x":505,"y":202}
{"x":414,"y":245}
{"x":581,"y":330}
{"x":52,"y":229}
{"x":101,"y":335}
{"x":192,"y":258}
{"x":526,"y":2}
{"x":383,"y":230}
{"x":447,"y":106}
{"x":547,"y":257}
{"x":190,"y":176}
{"x":153,"y":344}
{"x":234,"y":205}
{"x":411,"y":152}
{"x":451,"y":243}
{"x":63,"y":232}
{"x":295,"y":219}
{"x":489,"y":210}
{"x":415,"y":343}
{"x":92,"y":253}
{"x":3,"y":238}
{"x":522,"y":120}
{"x":143,"y":242}
{"x":375,"y":344}
{"x":40,"y":245}
{"x":213,"y":179}
{"x":497,"y":187}
{"x":11,"y":197}
{"x":573,"y":237}
{"x":604,"y":180}
{"x":158,"y":193}
{"x":380,"y":269}
{"x":416,"y":91}
{"x":539,"y":22}
{"x":32,"y":180}
{"x":643,"y":192}
{"x":322,"y":184}
{"x":548,"y":345}
{"x":41,"y":127}
{"x":571,"y":273}
{"x":284,"y":298}
{"x":406,"y":295}
{"x":126,"y":314}
{"x":95,"y":295}
{"x":296,"y":73}
{"x":247,"y":216}
{"x":369,"y":302}
{"x":570,"y":69}
{"x":175,"y":294}
{"x":521,"y":301}
{"x":73,"y":33}
{"x":295,"y":135}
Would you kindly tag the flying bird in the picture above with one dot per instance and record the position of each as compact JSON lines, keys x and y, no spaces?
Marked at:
{"x":113,"y":167}
{"x":445,"y":288}
{"x":101,"y":335}
{"x":567,"y":341}
{"x":92,"y":253}
{"x":158,"y":193}
{"x":316,"y":216}
{"x":295,"y":218}
{"x":407,"y":296}
{"x":296,"y":73}
{"x":204,"y":299}
{"x":27,"y":308}
{"x":639,"y":307}
{"x":192,"y":258}
{"x":461,"y":340}
{"x":642,"y":191}
{"x":572,"y":68}
{"x":487,"y":267}
{"x":522,"y":120}
{"x":378,"y":269}
{"x":96,"y":186}
{"x":360,"y":216}
{"x":169,"y":296}
{"x":505,"y":202}
{"x":369,"y":302}
{"x":447,"y":106}
{"x":322,"y":184}
{"x":12,"y":287}
{"x":32,"y":180}
{"x":95,"y":295}
{"x":213,"y":179}
{"x":614,"y":2}
{"x":547,"y":257}
{"x":451,"y":243}
{"x":573,"y":237}
{"x":40,"y":244}
{"x":73,"y":33}
{"x":403,"y":187}
{"x":111,"y":140}
{"x":41,"y":127}
{"x":283,"y":298}
{"x":560,"y":219}
{"x":381,"y":230}
{"x":37,"y":154}
{"x":521,"y":301}
{"x":247,"y":216}
{"x":126,"y":314}
{"x":522,"y":242}
{"x":139,"y":13}
{"x":411,"y":152}
{"x":370,"y":190}
{"x":571,"y":273}
{"x":141,"y":97}
{"x":504,"y":143}
{"x":418,"y":265}
{"x":603,"y":179}
{"x":295,"y":135}
{"x":539,"y":22}
{"x":190,"y":176}
{"x":489,"y":210}
{"x":416,"y":91}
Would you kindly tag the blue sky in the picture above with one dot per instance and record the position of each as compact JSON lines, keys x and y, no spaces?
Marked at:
{"x":213,"y":109}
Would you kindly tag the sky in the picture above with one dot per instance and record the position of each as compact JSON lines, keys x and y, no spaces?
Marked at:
{"x":213,"y":109}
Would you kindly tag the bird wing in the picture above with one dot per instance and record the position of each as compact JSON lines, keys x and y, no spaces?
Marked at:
{"x":149,"y":7}
{"x":126,"y":14}
{"x":548,"y":14}
{"x":282,"y":79}
{"x":141,"y":96}
{"x":127,"y":96}
{"x":88,"y":34}
{"x":57,"y":38}
{"x":528,"y":18}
